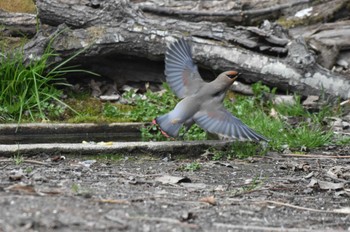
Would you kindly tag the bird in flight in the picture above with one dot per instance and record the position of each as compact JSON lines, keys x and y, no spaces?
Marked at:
{"x":202,"y":102}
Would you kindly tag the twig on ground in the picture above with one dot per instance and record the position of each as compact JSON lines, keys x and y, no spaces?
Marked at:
{"x":114,"y":201}
{"x":311,"y":156}
{"x":301,"y":207}
{"x":262,"y":228}
{"x":165,"y":220}
{"x":139,"y":175}
{"x":26,"y":161}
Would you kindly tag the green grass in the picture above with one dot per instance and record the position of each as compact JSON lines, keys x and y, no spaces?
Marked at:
{"x":28,"y":91}
{"x":308,"y":132}
{"x":255,"y":184}
{"x":18,"y":159}
{"x":342,"y":140}
{"x":156,"y":104}
{"x":240,"y":150}
{"x":190,"y":167}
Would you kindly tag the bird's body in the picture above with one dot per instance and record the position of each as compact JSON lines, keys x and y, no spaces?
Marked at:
{"x":202,"y":102}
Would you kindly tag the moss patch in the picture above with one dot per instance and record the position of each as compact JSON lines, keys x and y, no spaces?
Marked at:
{"x":93,"y":110}
{"x":22,"y":6}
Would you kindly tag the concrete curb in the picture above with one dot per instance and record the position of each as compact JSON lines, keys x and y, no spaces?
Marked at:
{"x":38,"y":138}
{"x":189,"y":148}
{"x":69,"y":132}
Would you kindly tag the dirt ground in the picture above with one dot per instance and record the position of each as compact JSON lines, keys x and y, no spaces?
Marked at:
{"x":271,"y":193}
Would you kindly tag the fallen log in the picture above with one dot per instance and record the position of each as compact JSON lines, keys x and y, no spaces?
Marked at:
{"x":123,"y":44}
{"x":17,"y":24}
{"x":245,"y":12}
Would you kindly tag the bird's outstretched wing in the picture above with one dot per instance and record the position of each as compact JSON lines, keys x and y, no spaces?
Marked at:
{"x":181,"y":73}
{"x":224,"y":123}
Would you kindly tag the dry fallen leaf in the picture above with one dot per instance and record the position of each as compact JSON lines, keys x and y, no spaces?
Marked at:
{"x":308,"y":176}
{"x":105,"y":143}
{"x":58,"y":158}
{"x":313,"y":183}
{"x":211,"y":200}
{"x":273,"y":113}
{"x":325,"y":185}
{"x":114,"y":201}
{"x":343,"y":210}
{"x":22,"y":188}
{"x":194,"y":185}
{"x":339,"y":172}
{"x":87,"y":163}
{"x":16,"y":175}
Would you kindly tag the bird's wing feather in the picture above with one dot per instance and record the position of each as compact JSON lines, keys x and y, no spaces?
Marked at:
{"x":181,"y":73}
{"x":224,"y":123}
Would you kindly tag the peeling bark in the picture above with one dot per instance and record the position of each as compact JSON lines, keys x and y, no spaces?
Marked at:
{"x":331,"y":41}
{"x":17,"y":24}
{"x":245,"y":12}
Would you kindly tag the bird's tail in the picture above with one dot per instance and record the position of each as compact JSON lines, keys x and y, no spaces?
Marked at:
{"x":168,"y":126}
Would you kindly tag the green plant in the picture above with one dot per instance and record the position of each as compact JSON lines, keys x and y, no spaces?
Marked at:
{"x":28,"y":170}
{"x":194,"y":166}
{"x":194,"y":133}
{"x":240,"y":150}
{"x":255,"y":113}
{"x":296,"y":109}
{"x":277,"y":128}
{"x":29,"y":90}
{"x":80,"y":191}
{"x":18,"y":159}
{"x":105,"y":157}
{"x":260,"y":91}
{"x":218,"y":155}
{"x":151,"y":105}
{"x":152,"y":133}
{"x":255,"y":183}
{"x":75,"y":188}
{"x":110,"y":110}
{"x":343,"y":140}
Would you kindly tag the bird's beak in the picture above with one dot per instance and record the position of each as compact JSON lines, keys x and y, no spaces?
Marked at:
{"x":236,"y":76}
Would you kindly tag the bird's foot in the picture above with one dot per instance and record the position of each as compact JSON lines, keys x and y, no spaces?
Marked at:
{"x":154,"y":122}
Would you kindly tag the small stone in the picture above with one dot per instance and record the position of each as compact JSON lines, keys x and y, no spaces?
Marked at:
{"x":284,"y":99}
{"x":114,"y":97}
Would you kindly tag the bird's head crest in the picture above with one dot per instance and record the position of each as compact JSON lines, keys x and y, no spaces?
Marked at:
{"x":232,"y":74}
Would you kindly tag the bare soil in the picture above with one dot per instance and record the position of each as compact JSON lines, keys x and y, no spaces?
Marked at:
{"x":136,"y":193}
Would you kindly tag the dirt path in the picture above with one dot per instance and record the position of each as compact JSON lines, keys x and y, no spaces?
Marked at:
{"x":271,"y":193}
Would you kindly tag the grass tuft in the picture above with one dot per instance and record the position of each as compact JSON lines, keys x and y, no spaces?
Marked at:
{"x":28,"y":92}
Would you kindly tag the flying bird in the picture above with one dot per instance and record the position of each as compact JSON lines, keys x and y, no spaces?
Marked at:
{"x":202,"y":102}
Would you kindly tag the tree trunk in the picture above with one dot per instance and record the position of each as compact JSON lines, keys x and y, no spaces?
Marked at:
{"x":123,"y":44}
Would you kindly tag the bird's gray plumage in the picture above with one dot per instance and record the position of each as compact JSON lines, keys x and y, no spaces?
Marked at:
{"x":201,"y":101}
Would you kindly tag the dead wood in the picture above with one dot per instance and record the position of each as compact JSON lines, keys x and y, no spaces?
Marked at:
{"x":124,"y":45}
{"x":17,"y":24}
{"x":233,"y":15}
{"x":331,"y":41}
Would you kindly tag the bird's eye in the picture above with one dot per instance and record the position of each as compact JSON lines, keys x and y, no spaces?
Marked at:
{"x":231,"y":76}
